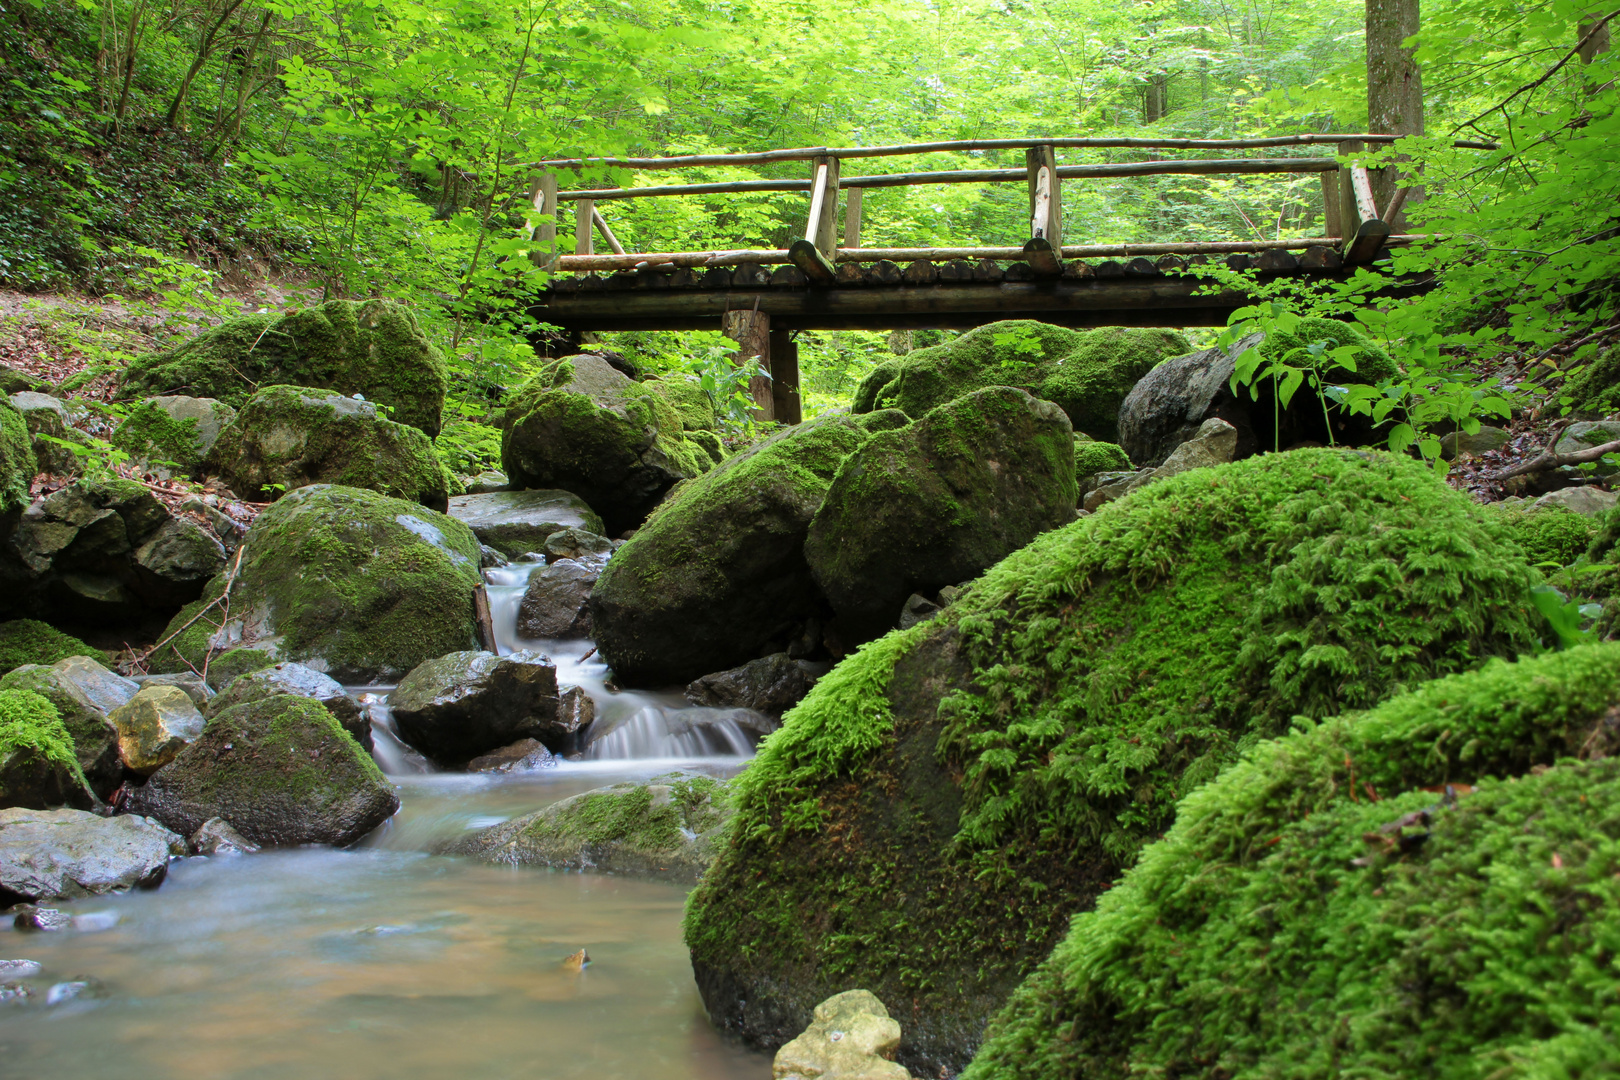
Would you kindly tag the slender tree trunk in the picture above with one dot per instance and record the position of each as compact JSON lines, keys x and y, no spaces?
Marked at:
{"x":177,"y":107}
{"x":1394,"y":85}
{"x":242,"y":94}
{"x":131,"y":42}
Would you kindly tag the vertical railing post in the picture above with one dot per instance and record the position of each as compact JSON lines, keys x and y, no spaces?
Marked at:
{"x":584,"y":233}
{"x":1045,"y":198}
{"x":1332,"y":217}
{"x":1349,"y":216}
{"x":822,"y":228}
{"x":852,"y":218}
{"x":785,"y":377}
{"x":543,"y":197}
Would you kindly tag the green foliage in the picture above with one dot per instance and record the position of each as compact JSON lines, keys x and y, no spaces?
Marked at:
{"x":1326,"y":908}
{"x":726,"y":385}
{"x":28,"y":641}
{"x":467,"y":448}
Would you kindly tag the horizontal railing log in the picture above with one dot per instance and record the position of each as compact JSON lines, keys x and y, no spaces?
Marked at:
{"x":808,"y":153}
{"x":1215,"y":167}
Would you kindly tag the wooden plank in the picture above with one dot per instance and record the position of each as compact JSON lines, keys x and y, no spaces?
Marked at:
{"x":1396,"y":202}
{"x":809,"y":259}
{"x":1332,"y":221}
{"x":1361,"y":183}
{"x":823,"y":224}
{"x":1043,"y":258}
{"x":785,"y":402}
{"x":751,"y":330}
{"x":543,"y":197}
{"x":1369,"y":240}
{"x":807,"y":153}
{"x":584,"y":235}
{"x":486,"y":622}
{"x":1349,"y":216}
{"x":1045,"y":197}
{"x":607,"y":233}
{"x":852,"y":218}
{"x":818,"y":200}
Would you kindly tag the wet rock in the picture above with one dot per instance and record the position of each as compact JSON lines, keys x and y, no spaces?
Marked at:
{"x":19,"y":969}
{"x":1214,"y":443}
{"x":575,"y":543}
{"x":17,"y":464}
{"x":33,"y":918}
{"x":488,"y":557}
{"x":555,"y":603}
{"x":303,"y":682}
{"x":288,"y":437}
{"x":173,"y":434}
{"x":15,"y":993}
{"x":577,"y":961}
{"x":525,"y":755}
{"x":372,"y":348}
{"x":172,"y":566}
{"x":718,"y":722}
{"x":918,"y":608}
{"x":1590,"y":501}
{"x":95,"y":740}
{"x":38,"y":767}
{"x":583,"y":427}
{"x":665,"y":829}
{"x":51,"y":418}
{"x":852,"y":1037}
{"x":216,"y":837}
{"x":154,"y":726}
{"x":576,"y":712}
{"x":938,"y":502}
{"x":771,"y":685}
{"x":719,"y":572}
{"x":517,"y":522}
{"x":1461,"y":444}
{"x":63,"y":854}
{"x":468,"y":703}
{"x":77,"y":990}
{"x":229,"y":531}
{"x":198,"y":691}
{"x":342,"y":580}
{"x":486,"y":482}
{"x":280,"y":770}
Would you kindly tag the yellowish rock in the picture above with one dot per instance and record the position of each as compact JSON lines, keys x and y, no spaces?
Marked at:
{"x":154,"y":726}
{"x":852,"y":1037}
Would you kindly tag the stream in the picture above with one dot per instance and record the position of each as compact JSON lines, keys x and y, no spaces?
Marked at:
{"x":383,"y":961}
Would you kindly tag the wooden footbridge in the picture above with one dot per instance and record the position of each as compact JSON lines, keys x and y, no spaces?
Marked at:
{"x":760,"y":297}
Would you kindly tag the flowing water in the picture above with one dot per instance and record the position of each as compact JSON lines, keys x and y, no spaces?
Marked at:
{"x":384,"y":961}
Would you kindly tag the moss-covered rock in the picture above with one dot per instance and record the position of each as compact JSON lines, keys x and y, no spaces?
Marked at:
{"x":95,"y":740}
{"x":39,"y":767}
{"x":1328,"y":908}
{"x":174,"y":433}
{"x":29,"y":641}
{"x":280,"y":770}
{"x":719,"y":571}
{"x":1086,"y":372}
{"x":518,"y":522}
{"x":688,"y":399}
{"x":1595,"y":391}
{"x":288,"y":437}
{"x":927,"y":820}
{"x":1551,"y":534}
{"x":668,"y":828}
{"x":1091,"y":458}
{"x":17,"y":464}
{"x":938,"y":502}
{"x":50,"y":425}
{"x":584,"y":427}
{"x":342,"y":580}
{"x":369,"y":347}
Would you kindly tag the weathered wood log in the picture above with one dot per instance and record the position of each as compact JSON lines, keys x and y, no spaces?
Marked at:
{"x":607,"y":233}
{"x":622,"y":279}
{"x":1361,"y":184}
{"x":751,"y":330}
{"x":1170,"y":263}
{"x":956,"y":270}
{"x":987,"y":270}
{"x":887,"y":272}
{"x":789,"y":276}
{"x":1043,"y":257}
{"x":806,"y":153}
{"x":685,"y":278}
{"x":852,"y":218}
{"x":483,"y":616}
{"x":921,"y":272}
{"x":590,"y":283}
{"x":785,"y":403}
{"x":749,"y":275}
{"x":851,"y":274}
{"x":1109,"y":268}
{"x":1369,"y":240}
{"x":564,"y":283}
{"x":583,"y":234}
{"x":1077,"y":270}
{"x":1318,"y":257}
{"x":1019,"y":271}
{"x":1045,"y":194}
{"x":812,"y":263}
{"x":1141,"y":267}
{"x":543,"y":198}
{"x":715,"y":278}
{"x":822,"y":225}
{"x":1237,"y":261}
{"x":1276,"y":261}
{"x":652,"y":278}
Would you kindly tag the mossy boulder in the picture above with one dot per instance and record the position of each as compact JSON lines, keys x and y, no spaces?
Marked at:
{"x":17,"y":464}
{"x":688,"y":399}
{"x":1091,"y":458}
{"x":369,"y":347}
{"x":1086,"y":372}
{"x":95,"y":739}
{"x":288,"y":437}
{"x":29,"y":641}
{"x":719,"y":571}
{"x":669,"y":828}
{"x":39,"y":767}
{"x":584,"y":427}
{"x":280,"y":770}
{"x":938,"y":502}
{"x":342,"y":580}
{"x":1551,"y":534}
{"x":173,"y":434}
{"x":1330,"y":907}
{"x":1595,"y":391}
{"x":50,"y":424}
{"x":1168,"y":406}
{"x":931,"y":815}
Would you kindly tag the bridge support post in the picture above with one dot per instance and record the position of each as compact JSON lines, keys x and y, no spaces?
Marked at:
{"x":751,"y":330}
{"x":543,"y":197}
{"x":785,"y":377}
{"x":584,"y":234}
{"x":1045,"y":200}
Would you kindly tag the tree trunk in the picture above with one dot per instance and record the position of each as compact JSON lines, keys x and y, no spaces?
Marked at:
{"x":1155,"y":98}
{"x":1394,"y":85}
{"x":177,"y":107}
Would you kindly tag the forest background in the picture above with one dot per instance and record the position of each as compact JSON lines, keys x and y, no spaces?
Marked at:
{"x":189,"y":154}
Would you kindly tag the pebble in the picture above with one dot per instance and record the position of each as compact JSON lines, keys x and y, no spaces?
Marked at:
{"x":30,"y":917}
{"x":19,"y":969}
{"x":578,"y":962}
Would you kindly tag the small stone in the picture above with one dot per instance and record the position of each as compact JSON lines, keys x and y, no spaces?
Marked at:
{"x":573,"y":543}
{"x":490,"y":557}
{"x":199,"y":691}
{"x":1589,"y":501}
{"x":917,"y":609}
{"x":154,"y":727}
{"x":575,"y":711}
{"x":577,"y":962}
{"x":1461,"y":444}
{"x":19,"y":969}
{"x":1215,"y":443}
{"x":77,"y":990}
{"x":851,"y":1037}
{"x":217,"y":837}
{"x":31,"y":917}
{"x":772,"y":685}
{"x":525,"y":755}
{"x":554,"y":603}
{"x":486,"y":482}
{"x":15,"y":993}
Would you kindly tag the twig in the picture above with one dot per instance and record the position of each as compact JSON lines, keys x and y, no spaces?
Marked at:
{"x":1550,"y":72}
{"x":229,"y":578}
{"x":1569,"y":346}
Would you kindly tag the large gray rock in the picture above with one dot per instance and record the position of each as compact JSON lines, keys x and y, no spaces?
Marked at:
{"x":63,"y":854}
{"x":173,"y":434}
{"x":525,"y":755}
{"x":518,"y":522}
{"x":771,"y":685}
{"x":1214,"y":443}
{"x":669,"y":828}
{"x":104,"y":689}
{"x":584,"y":427}
{"x":154,"y":726}
{"x":280,"y":770}
{"x":1577,"y":437}
{"x":555,"y":603}
{"x":51,"y":418}
{"x":302,"y":682}
{"x":468,"y":703}
{"x":939,"y":502}
{"x":1591,"y":502}
{"x":852,"y":1037}
{"x":95,"y":740}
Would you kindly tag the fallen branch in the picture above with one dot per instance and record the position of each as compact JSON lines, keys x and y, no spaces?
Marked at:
{"x":1549,"y":459}
{"x":215,"y":602}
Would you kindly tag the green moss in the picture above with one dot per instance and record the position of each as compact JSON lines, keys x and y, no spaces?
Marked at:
{"x":627,"y":815}
{"x":1373,"y":364}
{"x":1095,"y":457}
{"x":366,"y":585}
{"x":1086,"y":372}
{"x":17,"y":464}
{"x":151,"y":434}
{"x":1294,"y":922}
{"x":28,"y":641}
{"x":286,"y":437}
{"x":30,"y":722}
{"x":882,"y":420}
{"x":371,"y":347}
{"x":1552,"y":534}
{"x":1040,"y":731}
{"x":278,"y":728}
{"x":688,"y":399}
{"x":1595,"y":391}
